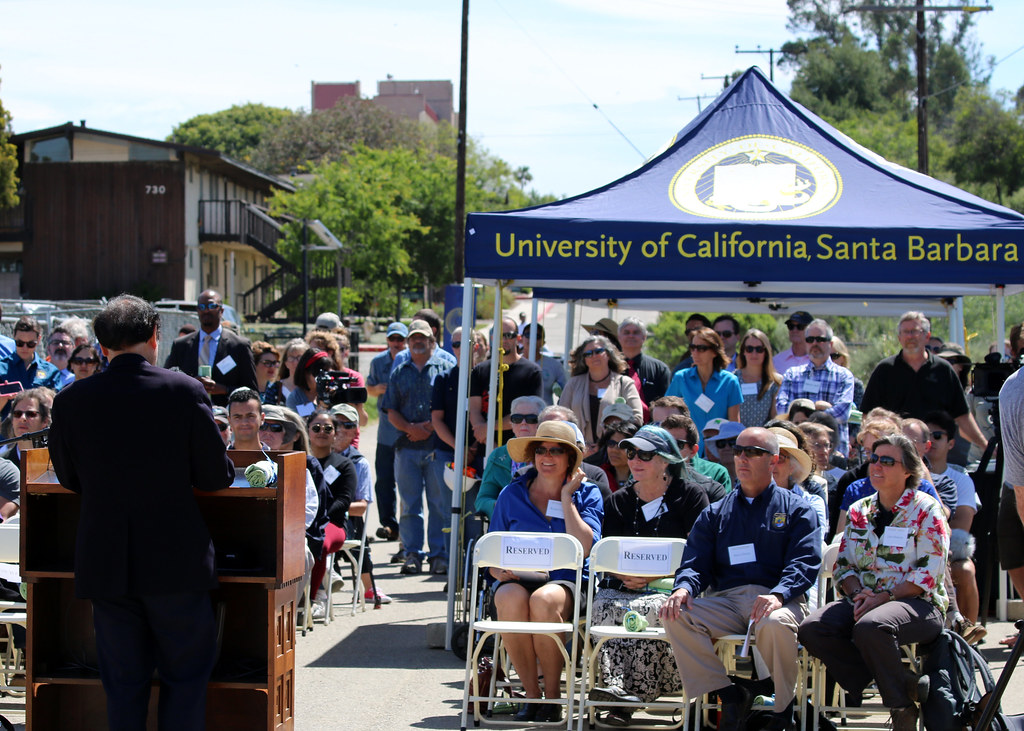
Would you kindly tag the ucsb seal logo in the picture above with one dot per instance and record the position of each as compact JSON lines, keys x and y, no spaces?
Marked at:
{"x":756,"y":178}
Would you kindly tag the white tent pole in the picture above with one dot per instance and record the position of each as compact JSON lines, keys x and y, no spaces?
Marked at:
{"x":1000,"y":320}
{"x":455,"y":538}
{"x":958,"y":336}
{"x":570,"y":327}
{"x":496,"y":343}
{"x":533,"y":329}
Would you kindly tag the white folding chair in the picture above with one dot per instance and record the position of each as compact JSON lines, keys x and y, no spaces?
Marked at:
{"x":353,"y":551}
{"x":660,"y":557}
{"x":521,"y":551}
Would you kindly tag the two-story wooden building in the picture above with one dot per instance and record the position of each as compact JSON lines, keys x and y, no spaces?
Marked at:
{"x":103,"y":213}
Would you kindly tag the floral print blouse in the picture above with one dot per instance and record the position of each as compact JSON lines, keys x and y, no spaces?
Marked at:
{"x":882,"y":562}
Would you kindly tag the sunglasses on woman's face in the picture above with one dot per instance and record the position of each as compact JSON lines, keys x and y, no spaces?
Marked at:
{"x":643,"y":456}
{"x":883,"y":460}
{"x":553,"y":451}
{"x":84,"y":361}
{"x":325,"y":428}
{"x":520,"y":418}
{"x":700,"y":348}
{"x":595,"y":351}
{"x":275,"y":428}
{"x":753,"y":348}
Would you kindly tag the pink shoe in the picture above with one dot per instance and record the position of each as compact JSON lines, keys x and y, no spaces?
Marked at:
{"x":384,"y":598}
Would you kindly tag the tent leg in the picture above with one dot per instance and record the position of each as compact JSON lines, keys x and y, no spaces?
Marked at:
{"x":1000,"y":319}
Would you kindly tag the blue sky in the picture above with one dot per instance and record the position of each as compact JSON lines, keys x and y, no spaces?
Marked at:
{"x":537,"y":67}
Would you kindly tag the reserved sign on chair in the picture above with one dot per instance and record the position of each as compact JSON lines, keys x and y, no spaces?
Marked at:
{"x":535,"y":552}
{"x":644,"y":558}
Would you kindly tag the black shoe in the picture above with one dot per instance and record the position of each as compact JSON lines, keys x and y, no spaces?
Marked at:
{"x":438,"y":566}
{"x":413,"y":565}
{"x":611,"y":694}
{"x":734,"y":713}
{"x":527,"y":712}
{"x":783,"y":721}
{"x":548,"y":713}
{"x":399,"y":557}
{"x":904,"y":719}
{"x":387,"y":533}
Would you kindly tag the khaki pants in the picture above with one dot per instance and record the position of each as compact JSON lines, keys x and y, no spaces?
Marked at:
{"x":717,"y":614}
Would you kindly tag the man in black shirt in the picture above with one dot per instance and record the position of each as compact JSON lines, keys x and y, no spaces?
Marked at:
{"x":522,"y":378}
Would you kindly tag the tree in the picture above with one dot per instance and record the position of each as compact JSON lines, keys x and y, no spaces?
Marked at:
{"x":310,"y":138}
{"x":8,"y":162}
{"x":988,"y":143}
{"x":236,"y":132}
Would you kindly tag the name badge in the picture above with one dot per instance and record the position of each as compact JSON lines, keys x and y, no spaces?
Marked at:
{"x":704,"y":403}
{"x":653,"y":509}
{"x":811,"y":386}
{"x":532,"y":552}
{"x":750,"y":389}
{"x":226,"y":364}
{"x":555,"y":509}
{"x":305,"y":409}
{"x":895,"y":537}
{"x":743,"y":553}
{"x":330,"y":474}
{"x":641,"y":557}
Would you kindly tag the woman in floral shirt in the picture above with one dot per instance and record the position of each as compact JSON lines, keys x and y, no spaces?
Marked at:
{"x":890,"y":569}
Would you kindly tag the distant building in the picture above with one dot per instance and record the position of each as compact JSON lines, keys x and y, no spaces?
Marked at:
{"x":423,"y":101}
{"x":103,"y":213}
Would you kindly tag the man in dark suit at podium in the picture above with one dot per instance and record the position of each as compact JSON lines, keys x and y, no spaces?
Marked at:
{"x":228,"y":355}
{"x":143,"y":553}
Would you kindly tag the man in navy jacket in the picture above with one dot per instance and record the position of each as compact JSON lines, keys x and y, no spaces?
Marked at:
{"x":143,"y":553}
{"x":754,"y":554}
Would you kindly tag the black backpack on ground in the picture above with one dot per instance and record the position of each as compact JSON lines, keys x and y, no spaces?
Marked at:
{"x":955,"y":698}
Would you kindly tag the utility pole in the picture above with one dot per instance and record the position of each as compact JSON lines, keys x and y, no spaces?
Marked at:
{"x":698,"y":98}
{"x":460,"y":154}
{"x":921,"y":56}
{"x":771,"y":58}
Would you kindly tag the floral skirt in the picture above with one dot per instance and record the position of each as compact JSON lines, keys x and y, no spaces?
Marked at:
{"x":644,"y":668}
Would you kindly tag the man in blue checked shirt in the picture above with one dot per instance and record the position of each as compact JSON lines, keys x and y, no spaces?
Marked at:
{"x":821,"y":380}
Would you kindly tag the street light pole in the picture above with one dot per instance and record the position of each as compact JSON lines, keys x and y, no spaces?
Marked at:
{"x":460,"y":154}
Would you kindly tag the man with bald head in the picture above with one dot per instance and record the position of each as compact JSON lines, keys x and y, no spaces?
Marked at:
{"x":228,"y":356}
{"x":753,"y":555}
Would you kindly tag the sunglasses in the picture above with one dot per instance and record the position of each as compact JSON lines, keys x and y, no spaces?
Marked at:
{"x":750,"y":452}
{"x":936,"y":435}
{"x":882,"y":460}
{"x":17,"y":414}
{"x":456,"y":343}
{"x":201,"y":306}
{"x":595,"y":351}
{"x":78,"y":360}
{"x":683,"y":443}
{"x":510,"y":335}
{"x":553,"y":451}
{"x":396,"y":339}
{"x":817,"y":339}
{"x":796,"y":326}
{"x":613,"y":444}
{"x":222,"y":426}
{"x":325,"y":428}
{"x":753,"y":348}
{"x":26,"y":343}
{"x":345,"y":425}
{"x":275,"y":428}
{"x":934,"y":348}
{"x":520,"y":418}
{"x":836,"y":356}
{"x":643,"y":456}
{"x":725,"y":333}
{"x":270,"y":363}
{"x":701,"y":348}
{"x":725,"y":443}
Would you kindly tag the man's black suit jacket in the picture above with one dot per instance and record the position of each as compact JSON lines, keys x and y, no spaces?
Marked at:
{"x":133,"y":441}
{"x":185,"y":355}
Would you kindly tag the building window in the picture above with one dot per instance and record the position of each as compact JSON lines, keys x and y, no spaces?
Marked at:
{"x":56,"y":149}
{"x":137,"y":151}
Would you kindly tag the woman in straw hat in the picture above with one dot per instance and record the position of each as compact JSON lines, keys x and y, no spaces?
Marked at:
{"x":550,"y":497}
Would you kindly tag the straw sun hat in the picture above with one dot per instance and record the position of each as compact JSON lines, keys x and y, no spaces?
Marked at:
{"x":558,"y":432}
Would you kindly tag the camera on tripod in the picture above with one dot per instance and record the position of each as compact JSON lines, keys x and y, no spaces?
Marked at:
{"x":990,"y":376}
{"x":335,"y":387}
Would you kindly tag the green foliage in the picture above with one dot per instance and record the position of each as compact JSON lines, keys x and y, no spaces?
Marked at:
{"x":8,"y":163}
{"x":841,"y":80}
{"x":236,"y":132}
{"x":988,"y":143}
{"x":667,"y":339}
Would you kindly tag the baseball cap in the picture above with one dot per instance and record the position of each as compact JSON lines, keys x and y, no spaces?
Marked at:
{"x":800,"y":317}
{"x":398,"y":328}
{"x":421,"y":327}
{"x":345,"y":411}
{"x":327,"y":321}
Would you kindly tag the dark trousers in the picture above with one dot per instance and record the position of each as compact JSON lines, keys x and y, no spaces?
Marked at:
{"x":385,"y":489}
{"x":857,"y":652}
{"x":174,"y":634}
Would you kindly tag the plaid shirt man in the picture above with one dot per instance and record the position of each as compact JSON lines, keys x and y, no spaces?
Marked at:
{"x":829,"y":382}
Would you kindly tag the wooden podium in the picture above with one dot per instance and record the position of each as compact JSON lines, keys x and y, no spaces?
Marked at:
{"x":259,"y":535}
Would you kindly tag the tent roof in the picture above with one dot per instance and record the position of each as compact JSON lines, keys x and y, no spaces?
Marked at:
{"x":758,"y":197}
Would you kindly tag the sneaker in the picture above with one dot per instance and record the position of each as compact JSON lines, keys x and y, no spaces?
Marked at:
{"x":337,"y":583}
{"x":399,"y":557}
{"x":319,"y":610}
{"x":413,"y":565}
{"x":386,"y":533}
{"x":972,"y":632}
{"x":438,"y":565}
{"x":384,"y":598}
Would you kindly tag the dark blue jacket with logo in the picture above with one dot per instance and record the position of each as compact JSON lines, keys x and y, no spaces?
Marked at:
{"x":783,"y":529}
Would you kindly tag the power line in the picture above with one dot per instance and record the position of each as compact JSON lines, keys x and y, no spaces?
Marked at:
{"x":571,"y":81}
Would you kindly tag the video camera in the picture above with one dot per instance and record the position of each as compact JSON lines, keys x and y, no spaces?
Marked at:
{"x":334,"y":387}
{"x":990,"y":376}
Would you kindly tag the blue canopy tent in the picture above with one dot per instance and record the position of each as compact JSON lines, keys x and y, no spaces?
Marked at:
{"x":757,"y":204}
